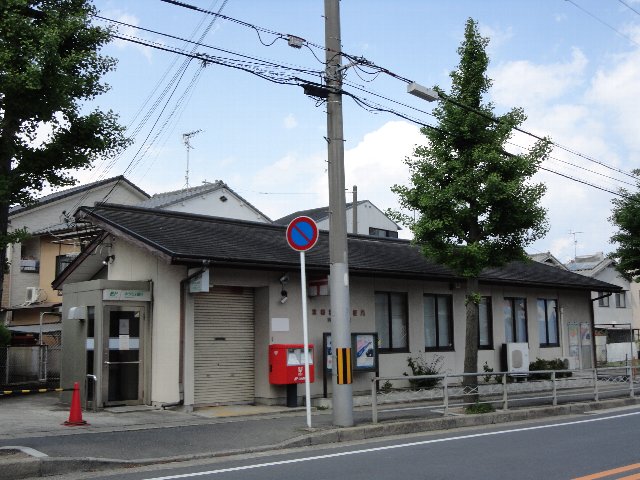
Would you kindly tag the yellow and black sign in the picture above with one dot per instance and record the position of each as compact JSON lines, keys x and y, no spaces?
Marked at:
{"x":343,"y":370}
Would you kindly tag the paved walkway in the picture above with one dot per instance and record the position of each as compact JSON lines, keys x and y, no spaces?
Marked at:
{"x":32,"y":426}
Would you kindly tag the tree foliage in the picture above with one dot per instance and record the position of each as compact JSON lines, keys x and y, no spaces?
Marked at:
{"x":49,"y":67}
{"x":476,"y":206}
{"x":626,"y":217}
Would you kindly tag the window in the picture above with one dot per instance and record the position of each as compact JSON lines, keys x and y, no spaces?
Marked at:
{"x":63,"y":261}
{"x":515,"y":319}
{"x":438,"y":322}
{"x":392,"y":321}
{"x":548,"y":322}
{"x":603,"y":301}
{"x":485,"y":324}
{"x":621,"y":301}
{"x":380,"y":232}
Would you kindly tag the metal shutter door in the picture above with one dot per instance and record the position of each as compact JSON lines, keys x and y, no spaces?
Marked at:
{"x":224,"y":346}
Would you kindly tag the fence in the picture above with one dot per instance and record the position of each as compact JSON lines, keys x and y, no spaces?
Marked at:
{"x":29,"y":365}
{"x":504,"y":389}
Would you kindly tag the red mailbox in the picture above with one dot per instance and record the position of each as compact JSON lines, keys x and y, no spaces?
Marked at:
{"x":286,"y":364}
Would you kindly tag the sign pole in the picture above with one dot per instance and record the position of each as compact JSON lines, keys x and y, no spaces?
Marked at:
{"x":305,"y":333}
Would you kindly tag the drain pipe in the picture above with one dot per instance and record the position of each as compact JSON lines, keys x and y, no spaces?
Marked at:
{"x":183,"y":285}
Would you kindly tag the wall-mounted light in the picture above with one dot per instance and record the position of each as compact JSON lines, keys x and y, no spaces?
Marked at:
{"x":76,"y":313}
{"x":108,"y":259}
{"x":284,"y":296}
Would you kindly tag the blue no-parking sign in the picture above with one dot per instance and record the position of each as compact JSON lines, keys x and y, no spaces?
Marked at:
{"x":302,"y":233}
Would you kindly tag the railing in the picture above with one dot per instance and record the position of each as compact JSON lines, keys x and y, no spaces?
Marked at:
{"x":506,"y":388}
{"x":23,"y":365}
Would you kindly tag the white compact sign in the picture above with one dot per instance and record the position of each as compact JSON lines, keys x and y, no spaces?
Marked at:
{"x":127,"y":295}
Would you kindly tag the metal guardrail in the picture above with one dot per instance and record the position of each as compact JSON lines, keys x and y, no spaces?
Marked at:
{"x":508,"y":387}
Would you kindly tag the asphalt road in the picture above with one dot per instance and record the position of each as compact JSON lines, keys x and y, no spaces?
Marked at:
{"x":568,"y":449}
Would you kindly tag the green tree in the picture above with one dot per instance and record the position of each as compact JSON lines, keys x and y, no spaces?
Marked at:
{"x":475,"y":206}
{"x":49,"y":65}
{"x":626,"y":217}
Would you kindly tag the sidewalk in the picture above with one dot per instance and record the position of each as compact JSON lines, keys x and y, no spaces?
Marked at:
{"x":131,"y":436}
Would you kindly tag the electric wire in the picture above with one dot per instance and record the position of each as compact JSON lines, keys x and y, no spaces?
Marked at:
{"x":598,"y":19}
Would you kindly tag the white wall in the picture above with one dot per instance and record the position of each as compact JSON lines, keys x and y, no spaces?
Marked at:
{"x":368,"y":216}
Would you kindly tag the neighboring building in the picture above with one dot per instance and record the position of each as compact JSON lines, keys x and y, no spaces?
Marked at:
{"x":191,"y":304}
{"x":28,"y":297}
{"x":215,"y":199}
{"x":613,"y":312}
{"x":548,"y":259}
{"x":370,"y":219}
{"x":613,"y":309}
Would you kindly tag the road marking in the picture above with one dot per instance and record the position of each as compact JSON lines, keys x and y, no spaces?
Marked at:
{"x":613,"y":471}
{"x":389,"y":447}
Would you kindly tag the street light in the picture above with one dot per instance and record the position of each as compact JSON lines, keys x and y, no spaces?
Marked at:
{"x":422,"y":92}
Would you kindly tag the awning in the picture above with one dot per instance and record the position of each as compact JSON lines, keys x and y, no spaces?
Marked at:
{"x":46,"y":305}
{"x":46,"y":328}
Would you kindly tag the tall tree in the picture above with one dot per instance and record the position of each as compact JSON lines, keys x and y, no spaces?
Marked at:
{"x":49,"y":65}
{"x":626,"y":217}
{"x":475,"y":206}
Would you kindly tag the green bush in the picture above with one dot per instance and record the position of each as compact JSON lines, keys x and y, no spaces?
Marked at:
{"x":557,"y":364}
{"x":5,"y":336}
{"x":420,"y":366}
{"x":479,"y":408}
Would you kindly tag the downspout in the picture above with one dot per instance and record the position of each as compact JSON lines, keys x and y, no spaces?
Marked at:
{"x":593,"y":326}
{"x":181,"y":353}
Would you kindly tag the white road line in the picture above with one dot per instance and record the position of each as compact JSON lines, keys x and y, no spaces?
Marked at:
{"x":389,"y":447}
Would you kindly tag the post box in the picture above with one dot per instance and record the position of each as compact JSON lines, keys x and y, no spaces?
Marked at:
{"x":286,"y":364}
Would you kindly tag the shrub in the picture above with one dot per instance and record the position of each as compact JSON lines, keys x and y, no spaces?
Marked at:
{"x":487,"y":369}
{"x":420,"y":366}
{"x":5,"y":336}
{"x":479,"y":408}
{"x":557,"y":364}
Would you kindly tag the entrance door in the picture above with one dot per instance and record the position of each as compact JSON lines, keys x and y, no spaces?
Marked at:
{"x":580,"y":346}
{"x":122,"y":366}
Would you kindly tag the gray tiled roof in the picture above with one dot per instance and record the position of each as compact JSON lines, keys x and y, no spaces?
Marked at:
{"x":189,"y":239}
{"x":72,"y":191}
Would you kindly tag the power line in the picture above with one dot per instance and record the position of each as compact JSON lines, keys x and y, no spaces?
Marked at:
{"x":629,"y":7}
{"x":603,"y":22}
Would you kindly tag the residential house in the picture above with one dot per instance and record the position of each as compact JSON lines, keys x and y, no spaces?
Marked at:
{"x":28,"y":299}
{"x":215,"y":199}
{"x":547,"y":258}
{"x":368,"y":219}
{"x":613,"y":312}
{"x":192,"y":304}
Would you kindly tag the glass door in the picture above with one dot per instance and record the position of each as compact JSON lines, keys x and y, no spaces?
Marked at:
{"x":122,"y":366}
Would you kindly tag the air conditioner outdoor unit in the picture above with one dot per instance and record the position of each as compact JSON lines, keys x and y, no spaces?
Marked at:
{"x":517,"y":357}
{"x":32,"y":294}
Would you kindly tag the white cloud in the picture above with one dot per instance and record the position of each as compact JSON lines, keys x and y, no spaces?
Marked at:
{"x":525,"y":84}
{"x":129,"y":32}
{"x":290,"y":122}
{"x":497,"y":37}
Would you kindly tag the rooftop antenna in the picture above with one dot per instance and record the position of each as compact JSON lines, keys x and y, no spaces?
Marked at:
{"x":185,"y":139}
{"x":575,"y":243}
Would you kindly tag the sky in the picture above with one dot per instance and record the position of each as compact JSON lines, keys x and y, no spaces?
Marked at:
{"x":572,"y":65}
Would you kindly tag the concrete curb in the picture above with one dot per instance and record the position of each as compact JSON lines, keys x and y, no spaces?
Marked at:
{"x":38,"y":464}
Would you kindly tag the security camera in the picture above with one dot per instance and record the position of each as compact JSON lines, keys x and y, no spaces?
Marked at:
{"x":284,"y":278}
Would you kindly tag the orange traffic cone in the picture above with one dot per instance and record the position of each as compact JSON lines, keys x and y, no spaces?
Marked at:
{"x":75,"y":414}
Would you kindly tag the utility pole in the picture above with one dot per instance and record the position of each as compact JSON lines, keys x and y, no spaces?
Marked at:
{"x":185,"y":139}
{"x":354,"y":210}
{"x":339,"y":268}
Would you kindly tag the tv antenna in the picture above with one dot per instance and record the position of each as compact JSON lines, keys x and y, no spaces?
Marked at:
{"x":186,"y":137}
{"x":575,"y":243}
